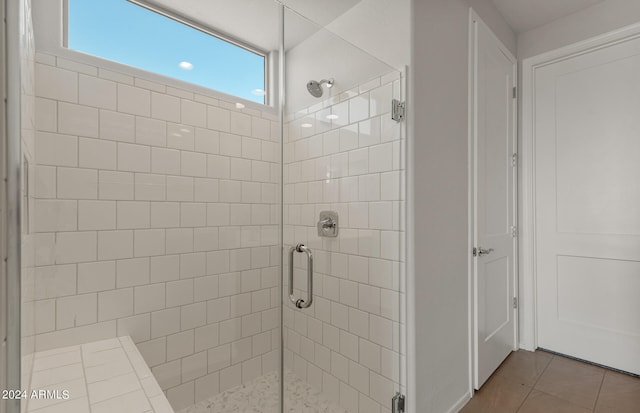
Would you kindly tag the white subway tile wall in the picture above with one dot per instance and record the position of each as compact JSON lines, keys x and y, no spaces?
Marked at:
{"x":156,"y":216}
{"x":348,"y":157}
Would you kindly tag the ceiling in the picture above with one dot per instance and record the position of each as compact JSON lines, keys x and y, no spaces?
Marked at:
{"x":256,"y":22}
{"x":523,"y":15}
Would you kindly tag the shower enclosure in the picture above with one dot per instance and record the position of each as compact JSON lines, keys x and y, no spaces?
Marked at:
{"x":342,"y":154}
{"x":254,"y":253}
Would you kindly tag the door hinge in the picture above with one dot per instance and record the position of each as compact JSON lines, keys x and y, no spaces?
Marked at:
{"x":398,"y":110}
{"x":514,"y":231}
{"x":514,"y":160}
{"x":515,"y":302}
{"x":515,"y":92}
{"x":475,"y":252}
{"x":397,"y":403}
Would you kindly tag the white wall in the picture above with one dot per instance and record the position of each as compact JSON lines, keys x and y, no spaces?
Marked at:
{"x":592,"y":21}
{"x":492,"y":17}
{"x":439,"y":113}
{"x":379,"y":27}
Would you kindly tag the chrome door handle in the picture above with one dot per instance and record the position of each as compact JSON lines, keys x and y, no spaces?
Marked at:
{"x":482,"y":251}
{"x":300,"y":303}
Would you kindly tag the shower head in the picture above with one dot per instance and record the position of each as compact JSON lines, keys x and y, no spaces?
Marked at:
{"x":315,"y":87}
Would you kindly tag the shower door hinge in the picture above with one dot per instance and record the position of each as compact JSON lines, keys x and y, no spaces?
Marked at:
{"x":398,"y":110}
{"x":397,"y":403}
{"x":515,"y":302}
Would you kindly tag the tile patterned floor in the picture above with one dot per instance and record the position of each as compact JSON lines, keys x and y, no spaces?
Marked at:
{"x":541,"y":382}
{"x":261,"y":395}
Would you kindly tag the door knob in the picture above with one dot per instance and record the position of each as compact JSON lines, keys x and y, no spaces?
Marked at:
{"x":482,"y":251}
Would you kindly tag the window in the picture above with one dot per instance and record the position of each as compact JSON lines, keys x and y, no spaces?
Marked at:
{"x":127,"y":33}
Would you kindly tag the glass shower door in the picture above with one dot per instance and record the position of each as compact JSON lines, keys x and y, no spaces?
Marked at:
{"x":343,"y":234}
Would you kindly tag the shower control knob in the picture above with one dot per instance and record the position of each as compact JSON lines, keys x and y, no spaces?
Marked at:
{"x":328,"y":224}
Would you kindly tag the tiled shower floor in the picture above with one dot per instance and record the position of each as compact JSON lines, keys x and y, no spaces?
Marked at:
{"x":261,"y":396}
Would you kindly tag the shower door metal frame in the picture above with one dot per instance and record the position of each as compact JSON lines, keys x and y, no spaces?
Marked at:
{"x":3,"y":206}
{"x":12,"y":160}
{"x":281,"y":108}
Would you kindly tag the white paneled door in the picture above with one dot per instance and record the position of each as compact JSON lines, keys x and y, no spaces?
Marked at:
{"x":587,"y":140}
{"x":494,"y":200}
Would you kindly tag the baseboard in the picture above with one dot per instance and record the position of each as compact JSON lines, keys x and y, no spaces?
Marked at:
{"x":460,"y":403}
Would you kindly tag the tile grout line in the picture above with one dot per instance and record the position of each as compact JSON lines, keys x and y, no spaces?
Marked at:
{"x":84,"y":376}
{"x":595,"y":405}
{"x":535,"y":383}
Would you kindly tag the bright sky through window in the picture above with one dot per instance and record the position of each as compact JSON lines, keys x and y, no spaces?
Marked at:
{"x":127,"y":33}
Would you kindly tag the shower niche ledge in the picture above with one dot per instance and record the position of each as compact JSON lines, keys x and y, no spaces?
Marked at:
{"x":99,"y":377}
